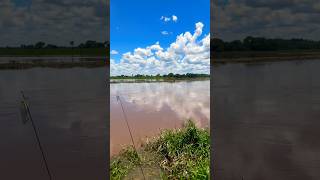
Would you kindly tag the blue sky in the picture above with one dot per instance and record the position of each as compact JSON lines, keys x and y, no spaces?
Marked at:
{"x":138,"y":24}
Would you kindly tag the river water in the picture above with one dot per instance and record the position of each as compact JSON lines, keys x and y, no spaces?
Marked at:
{"x":152,"y":107}
{"x":266,"y":121}
{"x":70,"y":110}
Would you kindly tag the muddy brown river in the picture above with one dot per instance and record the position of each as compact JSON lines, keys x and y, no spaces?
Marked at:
{"x":266,"y":121}
{"x":152,"y":107}
{"x":70,"y":110}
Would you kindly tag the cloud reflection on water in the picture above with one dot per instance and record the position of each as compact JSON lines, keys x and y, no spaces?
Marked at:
{"x":186,"y":99}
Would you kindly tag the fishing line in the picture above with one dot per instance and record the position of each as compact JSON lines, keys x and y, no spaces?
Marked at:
{"x":29,"y":117}
{"x":134,"y":146}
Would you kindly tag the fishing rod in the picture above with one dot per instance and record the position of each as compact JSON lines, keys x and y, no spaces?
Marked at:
{"x":134,"y":146}
{"x":26,"y":115}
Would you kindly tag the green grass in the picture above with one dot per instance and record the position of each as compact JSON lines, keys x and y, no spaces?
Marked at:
{"x":263,"y":56}
{"x":154,"y":79}
{"x":54,"y":52}
{"x":126,"y":161}
{"x":159,"y":78}
{"x":175,"y":154}
{"x":44,"y":64}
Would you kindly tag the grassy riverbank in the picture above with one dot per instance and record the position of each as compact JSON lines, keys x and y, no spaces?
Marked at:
{"x":173,"y":154}
{"x":54,"y":52}
{"x":25,"y":58}
{"x":158,"y":78}
{"x":53,"y":64}
{"x":132,"y":80}
{"x":263,"y":56}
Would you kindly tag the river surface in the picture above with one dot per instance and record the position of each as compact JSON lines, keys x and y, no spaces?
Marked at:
{"x":152,"y":107}
{"x":70,"y":110}
{"x":266,"y":121}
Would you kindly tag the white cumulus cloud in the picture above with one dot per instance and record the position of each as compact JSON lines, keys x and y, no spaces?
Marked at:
{"x":165,"y":19}
{"x":174,"y":18}
{"x":165,"y":32}
{"x":113,"y":52}
{"x":189,"y":53}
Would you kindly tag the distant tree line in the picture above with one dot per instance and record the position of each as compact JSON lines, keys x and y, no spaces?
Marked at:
{"x":43,"y":45}
{"x":170,"y":75}
{"x":263,"y":44}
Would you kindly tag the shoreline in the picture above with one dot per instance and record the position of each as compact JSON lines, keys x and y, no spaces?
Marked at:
{"x":263,"y":60}
{"x":76,"y":51}
{"x":218,"y":58}
{"x":45,"y":64}
{"x":174,"y":153}
{"x":256,"y":57}
{"x":132,"y":80}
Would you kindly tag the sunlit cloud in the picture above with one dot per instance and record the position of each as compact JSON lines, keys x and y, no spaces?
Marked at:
{"x":164,"y":32}
{"x":174,"y":18}
{"x":165,"y":19}
{"x":189,"y":53}
{"x":114,"y":52}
